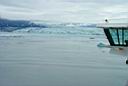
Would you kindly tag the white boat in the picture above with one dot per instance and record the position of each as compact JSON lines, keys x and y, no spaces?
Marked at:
{"x":117,"y":35}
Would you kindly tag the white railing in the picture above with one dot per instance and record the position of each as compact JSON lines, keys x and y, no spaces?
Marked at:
{"x":114,"y":25}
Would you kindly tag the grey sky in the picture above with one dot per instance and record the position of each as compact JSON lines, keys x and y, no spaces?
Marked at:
{"x":64,"y":10}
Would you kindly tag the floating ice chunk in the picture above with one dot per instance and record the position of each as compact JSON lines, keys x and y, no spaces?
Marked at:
{"x":101,"y":45}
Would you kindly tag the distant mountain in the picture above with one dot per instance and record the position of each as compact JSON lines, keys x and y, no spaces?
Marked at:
{"x":11,"y":25}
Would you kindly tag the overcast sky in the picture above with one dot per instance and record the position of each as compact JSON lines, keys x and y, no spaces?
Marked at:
{"x":85,"y":11}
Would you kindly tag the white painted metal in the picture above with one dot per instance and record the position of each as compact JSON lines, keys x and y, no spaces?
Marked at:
{"x":112,"y":25}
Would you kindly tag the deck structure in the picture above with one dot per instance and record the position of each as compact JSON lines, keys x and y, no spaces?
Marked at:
{"x":116,"y":33}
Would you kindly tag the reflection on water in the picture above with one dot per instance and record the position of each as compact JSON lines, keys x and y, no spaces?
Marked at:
{"x":120,"y":51}
{"x":126,"y":83}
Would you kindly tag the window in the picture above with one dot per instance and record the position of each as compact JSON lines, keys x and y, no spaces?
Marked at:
{"x":119,"y":36}
{"x":113,"y":33}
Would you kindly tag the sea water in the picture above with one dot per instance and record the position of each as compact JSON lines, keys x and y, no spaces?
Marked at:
{"x":59,"y":57}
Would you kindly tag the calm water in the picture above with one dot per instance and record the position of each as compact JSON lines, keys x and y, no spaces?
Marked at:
{"x":59,"y":57}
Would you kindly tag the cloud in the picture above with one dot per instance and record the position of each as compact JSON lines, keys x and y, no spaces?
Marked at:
{"x":64,"y":10}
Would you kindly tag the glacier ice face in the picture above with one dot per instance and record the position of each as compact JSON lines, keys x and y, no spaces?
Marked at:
{"x":61,"y":31}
